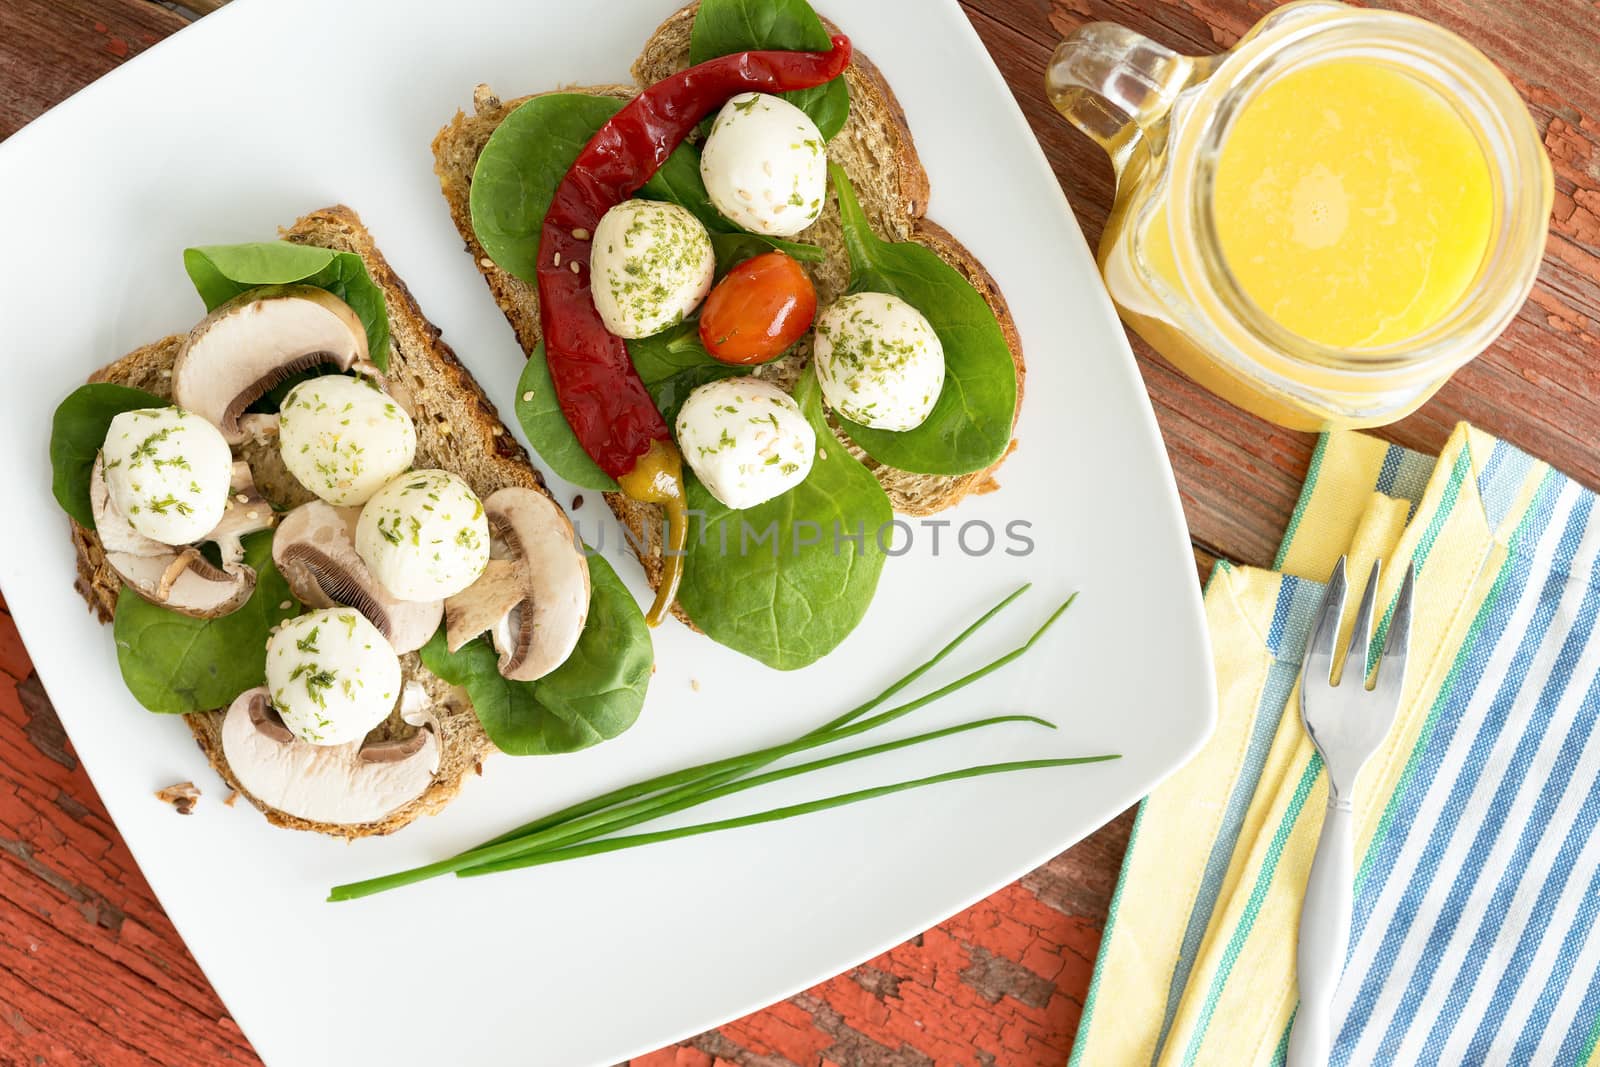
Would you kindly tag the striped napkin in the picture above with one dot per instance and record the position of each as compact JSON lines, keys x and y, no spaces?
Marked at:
{"x":1478,"y":879}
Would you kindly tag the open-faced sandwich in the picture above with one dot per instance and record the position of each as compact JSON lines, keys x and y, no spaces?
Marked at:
{"x":315,"y":540}
{"x":735,"y":314}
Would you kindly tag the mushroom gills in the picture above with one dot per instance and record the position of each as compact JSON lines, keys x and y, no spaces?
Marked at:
{"x":345,"y":785}
{"x":251,"y":343}
{"x":315,"y":552}
{"x":533,"y":598}
{"x":175,"y":577}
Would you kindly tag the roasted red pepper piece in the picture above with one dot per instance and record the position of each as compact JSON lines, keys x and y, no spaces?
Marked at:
{"x":600,"y":393}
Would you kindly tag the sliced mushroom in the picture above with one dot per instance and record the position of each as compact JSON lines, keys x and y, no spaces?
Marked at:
{"x":315,"y":550}
{"x":533,"y":597}
{"x":247,"y":512}
{"x":179,"y":578}
{"x":256,"y":340}
{"x":360,"y":782}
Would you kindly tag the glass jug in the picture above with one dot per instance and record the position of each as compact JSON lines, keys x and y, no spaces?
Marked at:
{"x":1165,"y":118}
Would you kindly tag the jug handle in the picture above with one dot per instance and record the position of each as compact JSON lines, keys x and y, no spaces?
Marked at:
{"x":1116,"y":85}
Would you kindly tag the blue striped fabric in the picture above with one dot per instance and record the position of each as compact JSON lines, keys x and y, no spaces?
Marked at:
{"x":1486,"y":869}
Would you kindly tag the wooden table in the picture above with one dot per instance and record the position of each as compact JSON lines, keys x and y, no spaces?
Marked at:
{"x":92,"y":972}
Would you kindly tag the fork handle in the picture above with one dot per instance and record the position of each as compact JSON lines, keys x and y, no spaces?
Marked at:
{"x":1324,"y":937}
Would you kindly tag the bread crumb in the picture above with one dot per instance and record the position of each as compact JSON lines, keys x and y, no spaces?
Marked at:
{"x":694,"y":683}
{"x":479,"y":768}
{"x":231,"y":797}
{"x":181,"y":796}
{"x":577,"y":502}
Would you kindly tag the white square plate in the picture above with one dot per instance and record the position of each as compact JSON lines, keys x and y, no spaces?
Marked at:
{"x":267,"y":110}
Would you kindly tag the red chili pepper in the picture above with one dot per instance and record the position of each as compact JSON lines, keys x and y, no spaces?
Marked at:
{"x":601,"y":395}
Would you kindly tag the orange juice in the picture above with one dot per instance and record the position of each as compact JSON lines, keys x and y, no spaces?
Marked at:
{"x":1324,"y":223}
{"x":1352,"y":203}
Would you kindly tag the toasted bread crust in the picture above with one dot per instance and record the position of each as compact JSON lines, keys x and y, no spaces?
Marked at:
{"x":875,"y":148}
{"x":457,"y":429}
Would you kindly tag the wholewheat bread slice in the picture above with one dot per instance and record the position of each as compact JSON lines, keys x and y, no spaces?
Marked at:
{"x":876,"y":151}
{"x":458,"y":429}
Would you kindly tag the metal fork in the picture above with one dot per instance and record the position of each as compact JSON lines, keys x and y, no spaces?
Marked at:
{"x":1346,"y":723}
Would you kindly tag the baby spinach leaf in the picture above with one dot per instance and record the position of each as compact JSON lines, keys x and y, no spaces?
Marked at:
{"x":970,"y":424}
{"x":531,"y":151}
{"x":76,"y":434}
{"x":731,"y":249}
{"x":222,"y":272}
{"x":785,"y":581}
{"x":678,"y":181}
{"x":722,"y":27}
{"x":592,"y":697}
{"x":519,"y":168}
{"x":175,"y":664}
{"x":539,"y":413}
{"x":672,"y":364}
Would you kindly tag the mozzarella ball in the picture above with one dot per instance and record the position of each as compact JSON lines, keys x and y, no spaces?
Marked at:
{"x":650,"y":264}
{"x":746,"y":440}
{"x":332,"y":675}
{"x":168,"y":471}
{"x":878,"y":361}
{"x":424,"y":536}
{"x":765,"y":166}
{"x":344,"y":438}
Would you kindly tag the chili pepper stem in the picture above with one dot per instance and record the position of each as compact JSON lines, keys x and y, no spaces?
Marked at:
{"x":657,"y":478}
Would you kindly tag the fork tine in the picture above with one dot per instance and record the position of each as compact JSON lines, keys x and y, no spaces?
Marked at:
{"x":1392,"y":665}
{"x":1361,"y":633}
{"x":1319,"y":650}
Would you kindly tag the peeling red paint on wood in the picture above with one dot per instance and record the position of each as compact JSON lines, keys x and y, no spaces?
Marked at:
{"x":92,"y":972}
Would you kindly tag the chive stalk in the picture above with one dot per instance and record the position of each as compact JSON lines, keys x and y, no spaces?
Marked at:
{"x":572,"y":831}
{"x":788,"y":811}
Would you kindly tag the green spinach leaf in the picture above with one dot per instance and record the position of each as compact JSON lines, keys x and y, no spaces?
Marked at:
{"x":592,"y":697}
{"x":722,"y":27}
{"x":731,"y":249}
{"x":519,"y":168}
{"x":76,"y":434}
{"x":786,"y":581}
{"x":678,"y":181}
{"x":970,"y":425}
{"x":222,"y":272}
{"x":672,"y":364}
{"x":175,"y":664}
{"x":539,"y":414}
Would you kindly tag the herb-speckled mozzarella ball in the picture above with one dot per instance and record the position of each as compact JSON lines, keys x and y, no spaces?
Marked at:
{"x":746,"y":440}
{"x":168,"y":471}
{"x":424,"y":536}
{"x":332,"y":675}
{"x":765,"y":165}
{"x":344,"y":438}
{"x":651,"y":264}
{"x":878,"y":361}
